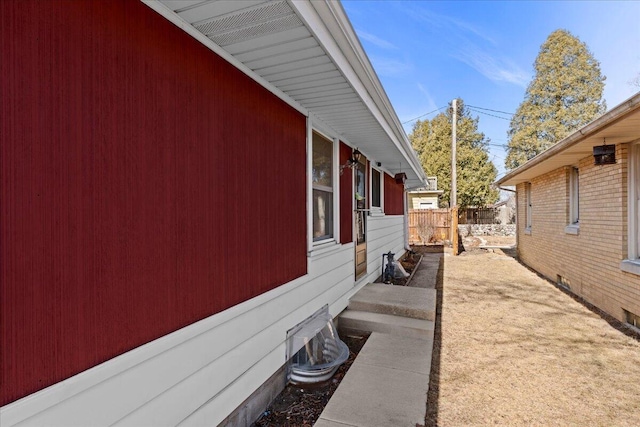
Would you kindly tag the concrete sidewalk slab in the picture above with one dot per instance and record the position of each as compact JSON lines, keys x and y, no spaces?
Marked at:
{"x":398,"y":352}
{"x":382,"y":389}
{"x":327,"y":423}
{"x":427,"y":273}
{"x":354,"y":322}
{"x":402,"y":301}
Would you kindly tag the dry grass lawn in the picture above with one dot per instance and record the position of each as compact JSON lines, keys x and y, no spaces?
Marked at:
{"x":517,"y":351}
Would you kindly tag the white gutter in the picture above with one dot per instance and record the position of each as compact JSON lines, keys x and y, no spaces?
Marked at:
{"x":606,"y":119}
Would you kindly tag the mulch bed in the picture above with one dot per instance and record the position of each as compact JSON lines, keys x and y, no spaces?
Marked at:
{"x":301,"y":405}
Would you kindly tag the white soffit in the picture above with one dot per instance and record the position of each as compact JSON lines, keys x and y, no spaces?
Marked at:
{"x":306,"y":51}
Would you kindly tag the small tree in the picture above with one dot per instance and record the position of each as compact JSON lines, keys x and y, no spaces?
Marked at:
{"x":564,"y":95}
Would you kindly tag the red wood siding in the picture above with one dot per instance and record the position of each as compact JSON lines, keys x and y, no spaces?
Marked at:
{"x":393,"y":196}
{"x":346,"y":196}
{"x":145,"y":184}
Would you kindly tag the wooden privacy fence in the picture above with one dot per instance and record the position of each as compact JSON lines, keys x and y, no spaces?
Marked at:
{"x":429,"y":226}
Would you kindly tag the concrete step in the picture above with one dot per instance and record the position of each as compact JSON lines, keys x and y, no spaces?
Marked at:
{"x":354,"y":322}
{"x":386,"y":385}
{"x":417,"y":303}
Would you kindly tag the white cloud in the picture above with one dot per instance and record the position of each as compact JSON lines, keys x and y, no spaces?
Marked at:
{"x":390,"y":67}
{"x":450,"y":24}
{"x":431,"y":105}
{"x":492,"y":67}
{"x":384,"y":44}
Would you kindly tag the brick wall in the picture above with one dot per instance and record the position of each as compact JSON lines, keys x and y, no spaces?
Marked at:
{"x":590,"y":260}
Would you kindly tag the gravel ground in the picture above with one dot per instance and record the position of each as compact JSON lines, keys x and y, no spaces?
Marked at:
{"x":515,"y":350}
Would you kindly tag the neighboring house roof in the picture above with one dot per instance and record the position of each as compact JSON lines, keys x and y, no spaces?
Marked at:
{"x":619,"y":125}
{"x":308,"y":54}
{"x":431,"y":188}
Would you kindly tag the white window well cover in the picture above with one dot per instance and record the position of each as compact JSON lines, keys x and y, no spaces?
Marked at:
{"x":314,"y":349}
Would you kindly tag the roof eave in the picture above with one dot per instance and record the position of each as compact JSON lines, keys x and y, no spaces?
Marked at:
{"x":620,"y":111}
{"x":340,"y":39}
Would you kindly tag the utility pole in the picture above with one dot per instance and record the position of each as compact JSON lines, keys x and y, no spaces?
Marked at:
{"x":454,"y":189}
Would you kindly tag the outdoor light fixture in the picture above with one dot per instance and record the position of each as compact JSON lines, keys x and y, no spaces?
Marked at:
{"x":355,"y":156}
{"x":400,"y":178}
{"x":604,"y":154}
{"x":353,"y":160}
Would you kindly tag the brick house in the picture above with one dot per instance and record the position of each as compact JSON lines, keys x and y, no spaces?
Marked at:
{"x":578,"y":222}
{"x":137,"y":284}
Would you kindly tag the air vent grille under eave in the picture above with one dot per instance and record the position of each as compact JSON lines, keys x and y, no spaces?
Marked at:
{"x":245,"y":24}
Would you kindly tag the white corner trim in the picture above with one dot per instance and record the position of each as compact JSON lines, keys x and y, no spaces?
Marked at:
{"x":172,"y":17}
{"x":527,"y":231}
{"x":630,"y":266}
{"x":572,"y":229}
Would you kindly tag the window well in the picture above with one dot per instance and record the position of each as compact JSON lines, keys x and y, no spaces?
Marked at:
{"x":314,"y":349}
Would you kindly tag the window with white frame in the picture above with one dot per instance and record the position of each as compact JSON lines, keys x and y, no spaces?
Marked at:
{"x":376,"y":189}
{"x":634,"y":202}
{"x":528,"y":205}
{"x":322,"y":185}
{"x":574,"y":196}
{"x":632,"y":263}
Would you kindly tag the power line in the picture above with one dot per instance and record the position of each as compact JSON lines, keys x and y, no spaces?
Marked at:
{"x":487,"y":114}
{"x":426,"y":114}
{"x":471,"y":107}
{"x":489,"y":109}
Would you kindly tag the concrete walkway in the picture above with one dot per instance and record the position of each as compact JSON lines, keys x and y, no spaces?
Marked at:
{"x":388,"y":382}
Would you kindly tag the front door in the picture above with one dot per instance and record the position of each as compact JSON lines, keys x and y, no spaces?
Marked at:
{"x":360,"y":216}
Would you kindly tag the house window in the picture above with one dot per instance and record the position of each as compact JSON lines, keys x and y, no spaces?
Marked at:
{"x":376,"y":189}
{"x":574,"y":192}
{"x":574,"y":201}
{"x":632,"y":263}
{"x":528,"y":206}
{"x":322,"y":185}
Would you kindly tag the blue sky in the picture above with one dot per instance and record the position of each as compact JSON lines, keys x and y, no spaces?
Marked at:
{"x":428,"y":52}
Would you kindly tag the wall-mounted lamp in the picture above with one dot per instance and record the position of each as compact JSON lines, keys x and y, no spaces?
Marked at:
{"x":400,"y":178}
{"x":604,"y":154}
{"x":353,"y":160}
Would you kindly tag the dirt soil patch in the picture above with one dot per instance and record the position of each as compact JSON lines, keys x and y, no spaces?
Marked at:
{"x":300,"y":405}
{"x":515,"y":350}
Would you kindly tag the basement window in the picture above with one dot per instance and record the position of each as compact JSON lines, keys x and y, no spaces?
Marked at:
{"x":632,"y":319}
{"x":564,"y":282}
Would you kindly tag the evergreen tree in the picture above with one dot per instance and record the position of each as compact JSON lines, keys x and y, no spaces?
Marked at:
{"x":564,"y":95}
{"x":432,"y":141}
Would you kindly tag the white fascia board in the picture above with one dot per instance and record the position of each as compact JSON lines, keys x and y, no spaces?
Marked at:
{"x":172,"y":17}
{"x":374,"y":82}
{"x":630,"y":105}
{"x":316,"y":16}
